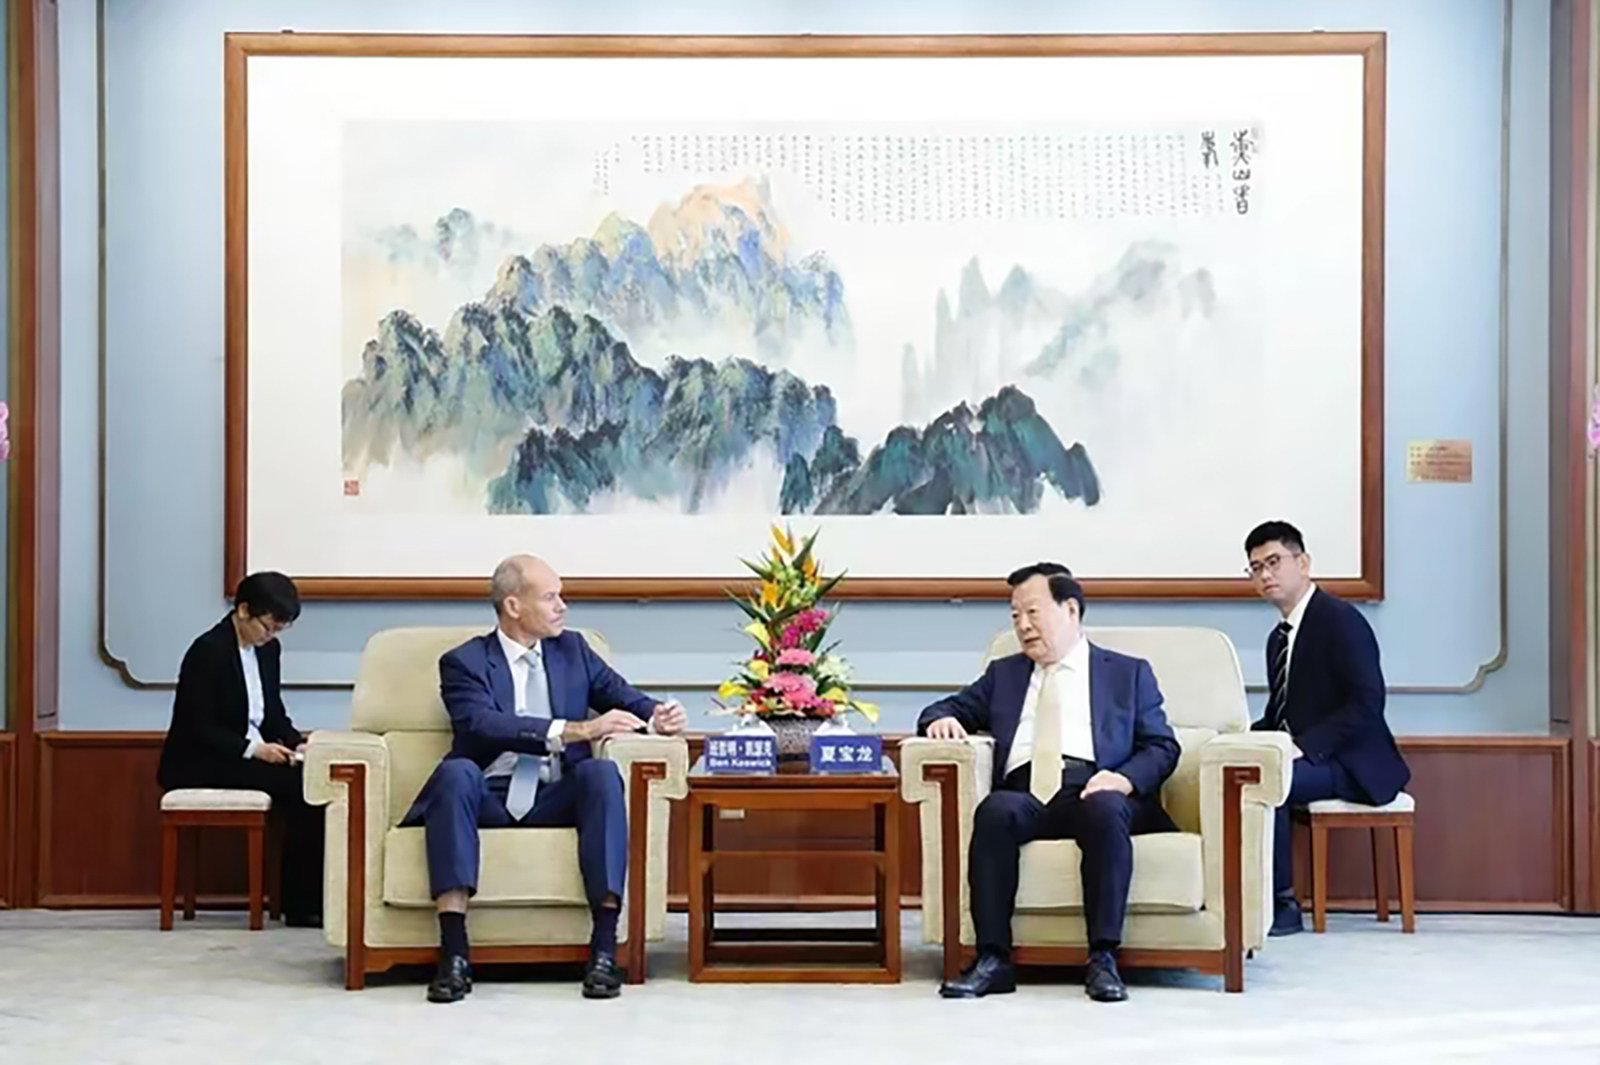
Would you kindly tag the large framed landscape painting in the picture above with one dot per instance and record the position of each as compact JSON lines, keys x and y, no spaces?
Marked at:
{"x":959,"y":303}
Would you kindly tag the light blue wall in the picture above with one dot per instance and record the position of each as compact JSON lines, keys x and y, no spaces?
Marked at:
{"x":164,"y":302}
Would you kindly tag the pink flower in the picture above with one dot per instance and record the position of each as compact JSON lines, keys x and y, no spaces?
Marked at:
{"x":809,"y":621}
{"x":796,"y":656}
{"x":5,"y":432}
{"x":790,"y":685}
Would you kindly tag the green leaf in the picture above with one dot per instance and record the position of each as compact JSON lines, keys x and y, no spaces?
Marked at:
{"x":749,"y":610}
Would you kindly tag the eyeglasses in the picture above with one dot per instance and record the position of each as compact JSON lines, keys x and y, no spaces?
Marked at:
{"x":271,"y":625}
{"x":1271,"y":562}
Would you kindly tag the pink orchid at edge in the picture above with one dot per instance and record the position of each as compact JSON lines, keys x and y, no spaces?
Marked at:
{"x":1594,"y":422}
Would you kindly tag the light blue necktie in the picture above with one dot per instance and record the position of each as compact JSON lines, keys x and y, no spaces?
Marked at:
{"x":525,"y":777}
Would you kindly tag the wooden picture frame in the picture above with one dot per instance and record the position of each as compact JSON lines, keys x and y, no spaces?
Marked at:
{"x":1362,"y":578}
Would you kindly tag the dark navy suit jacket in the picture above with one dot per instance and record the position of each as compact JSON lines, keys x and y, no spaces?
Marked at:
{"x":475,"y":683}
{"x":1334,"y":709}
{"x":1131,"y":734}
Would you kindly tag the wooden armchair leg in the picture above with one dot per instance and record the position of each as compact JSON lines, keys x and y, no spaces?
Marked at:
{"x":354,"y":778}
{"x":1234,"y":780}
{"x":638,"y":864}
{"x":949,"y":864}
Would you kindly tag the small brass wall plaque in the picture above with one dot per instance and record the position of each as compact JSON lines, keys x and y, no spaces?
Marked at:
{"x":1439,"y":462}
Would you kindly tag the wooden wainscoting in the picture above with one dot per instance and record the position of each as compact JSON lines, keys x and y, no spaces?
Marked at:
{"x":1492,"y":816}
{"x":8,"y":813}
{"x":100,"y":826}
{"x":1594,"y":823}
{"x":1492,"y":832}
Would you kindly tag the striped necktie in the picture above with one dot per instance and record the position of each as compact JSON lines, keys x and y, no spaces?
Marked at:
{"x":1278,"y":676}
{"x":530,"y":768}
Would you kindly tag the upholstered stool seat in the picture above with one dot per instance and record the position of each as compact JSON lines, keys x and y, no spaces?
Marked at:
{"x":215,"y":799}
{"x":1397,"y":816}
{"x":194,"y":808}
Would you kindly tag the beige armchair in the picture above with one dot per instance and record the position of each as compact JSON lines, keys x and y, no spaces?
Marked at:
{"x":1200,"y":897}
{"x":530,"y":903}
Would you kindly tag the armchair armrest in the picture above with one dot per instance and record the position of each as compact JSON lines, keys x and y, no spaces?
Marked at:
{"x":654,"y":769}
{"x":1272,"y":752}
{"x":348,"y":772}
{"x":1244,"y":777}
{"x":327,"y":749}
{"x":948,"y":779}
{"x":671,"y":753}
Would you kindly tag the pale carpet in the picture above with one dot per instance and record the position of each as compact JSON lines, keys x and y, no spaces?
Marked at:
{"x":107,"y":987}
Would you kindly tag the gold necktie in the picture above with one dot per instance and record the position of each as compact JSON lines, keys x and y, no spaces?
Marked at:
{"x":1045,"y":778}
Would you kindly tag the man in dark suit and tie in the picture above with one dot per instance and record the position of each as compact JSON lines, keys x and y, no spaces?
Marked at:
{"x":1326,"y":690}
{"x":519,"y":700}
{"x":230,"y":729}
{"x":1081,"y":748}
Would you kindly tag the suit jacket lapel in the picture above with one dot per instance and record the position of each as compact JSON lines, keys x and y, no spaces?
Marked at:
{"x":239,"y":695}
{"x":505,"y":695}
{"x":1100,"y":709}
{"x":555,"y":673}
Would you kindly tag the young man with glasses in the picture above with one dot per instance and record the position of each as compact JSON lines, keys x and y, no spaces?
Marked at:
{"x":1326,"y":690}
{"x":230,"y":729}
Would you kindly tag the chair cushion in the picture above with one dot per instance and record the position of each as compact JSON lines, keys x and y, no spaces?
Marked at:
{"x":1401,"y":804}
{"x":518,"y":867}
{"x":215,"y":799}
{"x":1168,"y":876}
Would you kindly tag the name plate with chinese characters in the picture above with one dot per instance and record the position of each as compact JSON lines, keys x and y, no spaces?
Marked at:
{"x":741,"y":754}
{"x":846,"y":753}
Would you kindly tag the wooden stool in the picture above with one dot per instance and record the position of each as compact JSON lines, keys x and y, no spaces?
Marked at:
{"x":210,"y":808}
{"x":1400,"y":816}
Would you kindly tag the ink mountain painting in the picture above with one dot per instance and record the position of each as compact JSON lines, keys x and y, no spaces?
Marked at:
{"x":725,"y":339}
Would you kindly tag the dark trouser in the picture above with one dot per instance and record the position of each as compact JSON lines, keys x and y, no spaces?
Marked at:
{"x":1103,"y":826}
{"x":302,"y":823}
{"x":457,"y":801}
{"x":1311,"y":781}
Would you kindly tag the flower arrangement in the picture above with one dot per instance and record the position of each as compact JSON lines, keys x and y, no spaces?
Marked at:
{"x":790,"y":673}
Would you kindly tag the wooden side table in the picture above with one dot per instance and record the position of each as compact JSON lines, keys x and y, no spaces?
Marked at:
{"x":794,"y":955}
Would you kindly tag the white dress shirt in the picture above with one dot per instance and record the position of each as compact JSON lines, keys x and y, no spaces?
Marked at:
{"x":518,"y":656}
{"x":1072,"y":694}
{"x":254,"y":698}
{"x":1296,"y":616}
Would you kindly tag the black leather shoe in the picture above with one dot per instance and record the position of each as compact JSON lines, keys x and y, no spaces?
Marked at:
{"x":602,"y":979}
{"x":452,"y":982}
{"x":1102,"y":982}
{"x":986,"y":976}
{"x":1286,"y":919}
